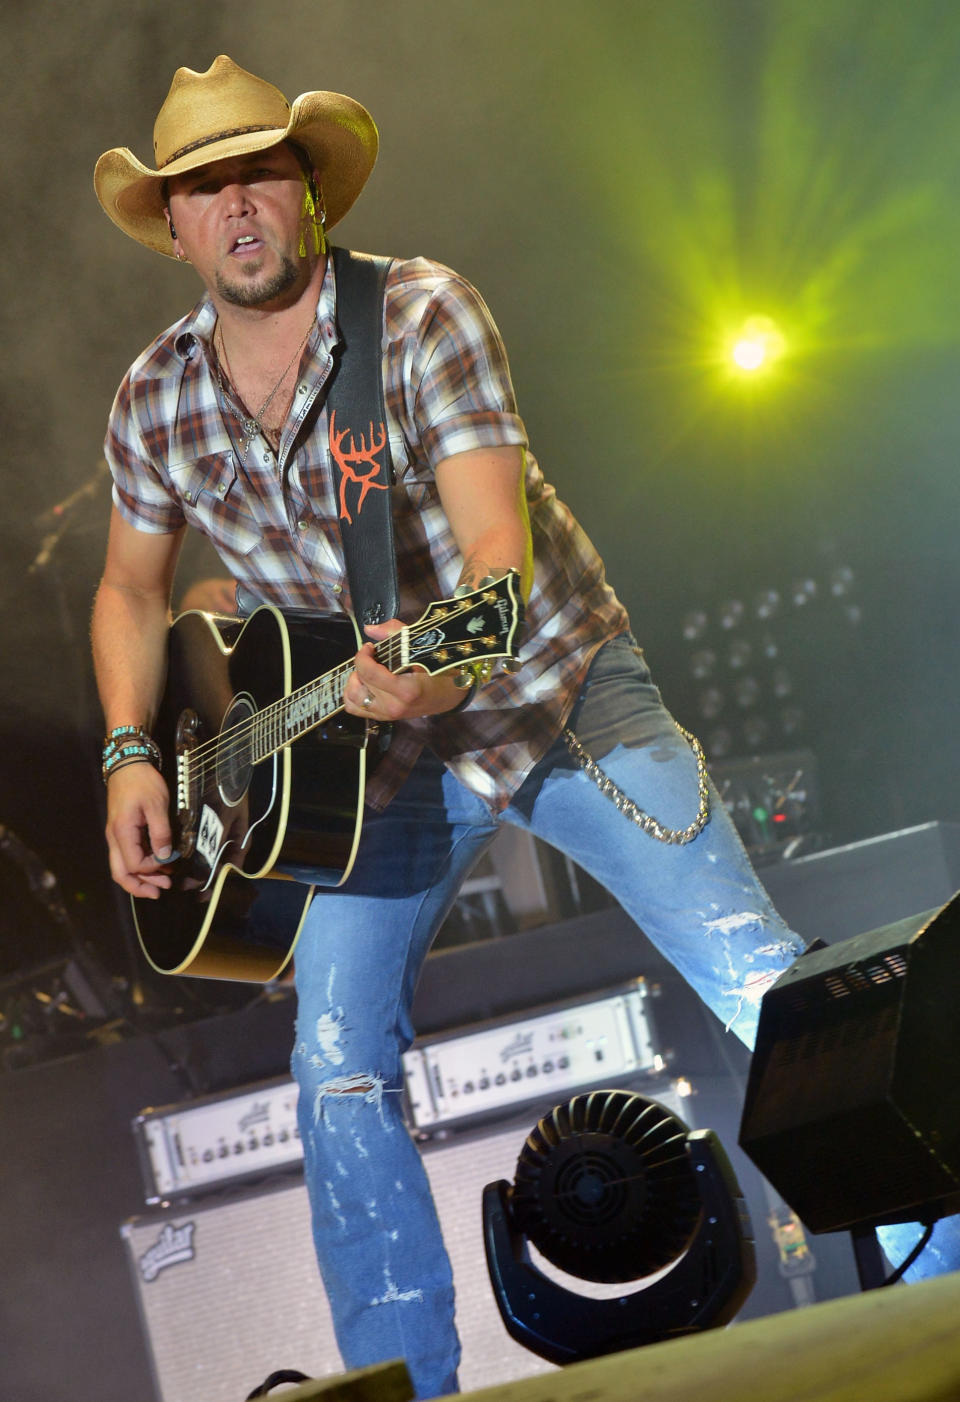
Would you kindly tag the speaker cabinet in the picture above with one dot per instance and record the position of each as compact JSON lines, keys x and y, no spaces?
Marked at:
{"x":853,"y":1104}
{"x":229,"y":1289}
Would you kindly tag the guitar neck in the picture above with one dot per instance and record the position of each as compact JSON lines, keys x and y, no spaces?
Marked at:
{"x":477,"y":626}
{"x":303,"y":710}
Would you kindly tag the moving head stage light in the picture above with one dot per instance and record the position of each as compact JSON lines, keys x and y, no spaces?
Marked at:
{"x":611,"y":1187}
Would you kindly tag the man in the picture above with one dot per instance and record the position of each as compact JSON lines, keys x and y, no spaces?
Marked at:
{"x":222,"y":424}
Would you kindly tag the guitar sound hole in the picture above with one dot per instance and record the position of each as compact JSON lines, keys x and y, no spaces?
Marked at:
{"x":234,"y":754}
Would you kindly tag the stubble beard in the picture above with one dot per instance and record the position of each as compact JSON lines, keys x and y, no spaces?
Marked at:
{"x":254,"y":293}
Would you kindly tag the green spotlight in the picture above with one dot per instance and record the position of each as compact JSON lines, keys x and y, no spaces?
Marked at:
{"x":759,"y":343}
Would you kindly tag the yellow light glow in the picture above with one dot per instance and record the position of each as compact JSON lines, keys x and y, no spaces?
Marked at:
{"x":758,"y":344}
{"x":749,"y":354}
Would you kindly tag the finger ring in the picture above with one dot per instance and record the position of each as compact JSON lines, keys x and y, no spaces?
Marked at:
{"x":367,"y":700}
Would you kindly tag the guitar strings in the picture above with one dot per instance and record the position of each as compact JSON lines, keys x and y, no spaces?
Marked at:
{"x":228,"y":744}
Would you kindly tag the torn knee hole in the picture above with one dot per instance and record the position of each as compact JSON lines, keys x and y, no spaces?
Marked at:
{"x":359,"y":1083}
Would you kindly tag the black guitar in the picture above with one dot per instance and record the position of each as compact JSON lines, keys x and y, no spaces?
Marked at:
{"x":266,"y":770}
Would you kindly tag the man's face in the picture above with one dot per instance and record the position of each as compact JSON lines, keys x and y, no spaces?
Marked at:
{"x":239,"y":222}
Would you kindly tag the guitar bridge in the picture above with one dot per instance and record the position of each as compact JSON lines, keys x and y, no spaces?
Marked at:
{"x":186,"y":797}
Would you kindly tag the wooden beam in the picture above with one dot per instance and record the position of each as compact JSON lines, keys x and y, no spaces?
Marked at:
{"x":381,"y":1382}
{"x":900,"y":1344}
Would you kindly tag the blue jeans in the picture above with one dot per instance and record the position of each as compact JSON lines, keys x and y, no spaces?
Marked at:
{"x":376,"y":1231}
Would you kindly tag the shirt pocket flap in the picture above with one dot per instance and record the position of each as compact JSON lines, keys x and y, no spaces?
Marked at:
{"x":212,"y":496}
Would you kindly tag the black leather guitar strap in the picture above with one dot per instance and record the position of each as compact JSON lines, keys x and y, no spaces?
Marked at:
{"x":358,"y":438}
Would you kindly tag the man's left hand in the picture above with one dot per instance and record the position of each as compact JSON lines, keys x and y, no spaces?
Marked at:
{"x":379,"y":694}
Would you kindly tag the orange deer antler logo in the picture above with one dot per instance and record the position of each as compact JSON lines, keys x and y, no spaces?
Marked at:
{"x":349,"y":458}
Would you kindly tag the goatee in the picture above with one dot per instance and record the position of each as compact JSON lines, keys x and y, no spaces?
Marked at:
{"x":256,"y":294}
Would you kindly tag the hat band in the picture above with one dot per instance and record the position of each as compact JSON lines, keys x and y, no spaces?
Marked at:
{"x":210,"y":140}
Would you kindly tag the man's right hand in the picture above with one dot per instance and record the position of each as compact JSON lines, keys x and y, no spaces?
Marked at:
{"x":138,"y":829}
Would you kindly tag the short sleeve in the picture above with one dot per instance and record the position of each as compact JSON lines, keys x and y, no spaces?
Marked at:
{"x":464,"y":396}
{"x":139,"y":494}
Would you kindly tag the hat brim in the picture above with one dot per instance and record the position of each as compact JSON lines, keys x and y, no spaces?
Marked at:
{"x":338,"y":134}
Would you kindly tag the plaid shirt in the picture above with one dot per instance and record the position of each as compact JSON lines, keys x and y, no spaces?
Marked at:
{"x":273,"y":518}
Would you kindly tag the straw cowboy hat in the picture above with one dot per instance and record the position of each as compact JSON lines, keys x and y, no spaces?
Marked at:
{"x":230,"y":112}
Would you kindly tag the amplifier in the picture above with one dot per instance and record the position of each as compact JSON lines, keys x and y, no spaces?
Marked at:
{"x":229,"y":1291}
{"x":463,"y":1077}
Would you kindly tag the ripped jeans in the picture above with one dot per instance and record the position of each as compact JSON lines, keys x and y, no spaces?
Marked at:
{"x":376,"y":1231}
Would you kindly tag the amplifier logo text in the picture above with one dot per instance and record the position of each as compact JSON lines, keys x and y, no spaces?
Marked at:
{"x":173,"y":1246}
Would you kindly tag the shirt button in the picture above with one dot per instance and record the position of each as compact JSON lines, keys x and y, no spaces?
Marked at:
{"x":302,"y":389}
{"x":222,"y":489}
{"x":338,"y":588}
{"x":303,"y":524}
{"x":267,"y":457}
{"x":188,"y":497}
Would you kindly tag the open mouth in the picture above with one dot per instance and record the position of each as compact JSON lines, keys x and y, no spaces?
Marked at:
{"x":246,"y":243}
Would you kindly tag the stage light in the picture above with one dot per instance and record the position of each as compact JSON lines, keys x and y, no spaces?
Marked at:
{"x":767,"y":603}
{"x":841,"y":581}
{"x":758,"y":344}
{"x":792,"y":720}
{"x":782,"y":683}
{"x":694,"y":625}
{"x":731,"y":614}
{"x":719,"y":743}
{"x":613,"y":1188}
{"x":755,"y":732}
{"x":747,"y":692}
{"x":703,"y":663}
{"x":712,"y":702}
{"x":739,"y":654}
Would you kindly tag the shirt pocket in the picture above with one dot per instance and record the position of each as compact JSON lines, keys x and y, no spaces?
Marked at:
{"x":212,"y":498}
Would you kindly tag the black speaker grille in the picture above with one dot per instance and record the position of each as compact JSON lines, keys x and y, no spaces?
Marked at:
{"x":604,"y":1188}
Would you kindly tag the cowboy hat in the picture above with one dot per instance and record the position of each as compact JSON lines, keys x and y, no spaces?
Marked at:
{"x":227,"y":111}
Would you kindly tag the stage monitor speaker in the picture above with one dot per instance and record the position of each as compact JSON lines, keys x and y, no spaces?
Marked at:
{"x":852,"y":1109}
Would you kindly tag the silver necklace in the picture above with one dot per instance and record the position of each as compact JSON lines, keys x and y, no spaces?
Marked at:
{"x":252,"y":424}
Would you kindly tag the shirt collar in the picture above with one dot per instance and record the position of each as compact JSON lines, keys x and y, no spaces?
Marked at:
{"x":196,"y":330}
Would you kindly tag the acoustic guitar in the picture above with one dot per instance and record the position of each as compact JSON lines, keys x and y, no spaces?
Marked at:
{"x":266,"y":770}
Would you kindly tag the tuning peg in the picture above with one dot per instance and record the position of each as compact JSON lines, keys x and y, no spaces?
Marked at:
{"x":510,"y":665}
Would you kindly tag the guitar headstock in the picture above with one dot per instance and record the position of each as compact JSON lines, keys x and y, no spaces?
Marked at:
{"x":478,"y":627}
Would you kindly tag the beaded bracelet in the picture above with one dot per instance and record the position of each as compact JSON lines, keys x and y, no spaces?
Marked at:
{"x":128,"y":744}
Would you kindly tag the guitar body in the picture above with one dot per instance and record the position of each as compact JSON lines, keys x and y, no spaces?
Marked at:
{"x":266,"y":770}
{"x":295,"y":813}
